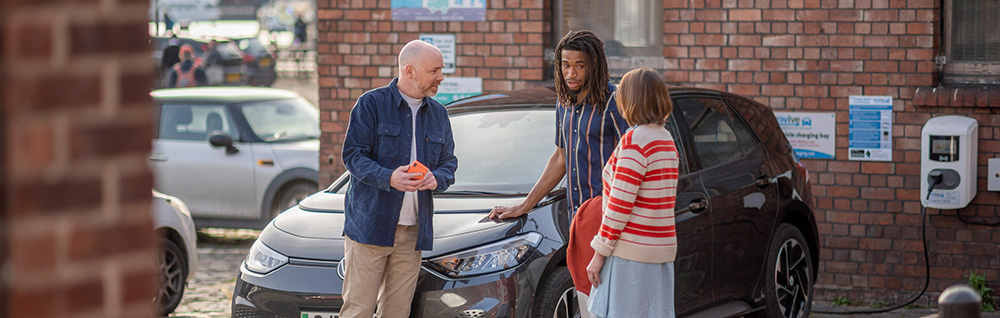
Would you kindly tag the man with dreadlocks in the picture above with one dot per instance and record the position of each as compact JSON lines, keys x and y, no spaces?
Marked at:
{"x":588,"y":127}
{"x":588,"y":124}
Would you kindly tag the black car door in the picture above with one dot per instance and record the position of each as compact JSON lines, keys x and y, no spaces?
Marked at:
{"x":730,"y":164}
{"x":693,"y":266}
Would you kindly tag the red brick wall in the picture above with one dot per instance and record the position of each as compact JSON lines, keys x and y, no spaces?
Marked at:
{"x":794,"y":55}
{"x":76,"y":134}
{"x":810,"y":55}
{"x":358,"y":43}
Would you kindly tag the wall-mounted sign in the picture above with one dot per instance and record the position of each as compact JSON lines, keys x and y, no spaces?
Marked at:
{"x":438,"y":10}
{"x":810,"y":134}
{"x":870,"y":128}
{"x":455,"y":88}
{"x":445,"y":43}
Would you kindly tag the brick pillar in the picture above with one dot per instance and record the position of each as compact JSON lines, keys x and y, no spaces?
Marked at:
{"x":74,"y":185}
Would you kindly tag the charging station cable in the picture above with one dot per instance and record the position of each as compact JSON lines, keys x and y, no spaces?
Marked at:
{"x":934,"y":178}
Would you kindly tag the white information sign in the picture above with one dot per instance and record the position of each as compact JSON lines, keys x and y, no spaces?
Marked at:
{"x":812,"y":135}
{"x":445,"y":43}
{"x":870,"y":128}
{"x":455,"y":88}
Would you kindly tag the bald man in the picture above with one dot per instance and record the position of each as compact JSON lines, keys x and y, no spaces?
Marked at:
{"x":388,"y":211}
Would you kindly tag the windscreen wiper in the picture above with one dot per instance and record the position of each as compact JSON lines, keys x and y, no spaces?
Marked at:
{"x":476,"y":193}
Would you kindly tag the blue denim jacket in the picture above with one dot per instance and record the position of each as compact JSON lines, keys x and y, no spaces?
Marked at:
{"x":378,"y":141}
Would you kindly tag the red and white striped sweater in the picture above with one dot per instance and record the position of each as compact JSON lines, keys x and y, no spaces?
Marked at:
{"x":640,"y":188}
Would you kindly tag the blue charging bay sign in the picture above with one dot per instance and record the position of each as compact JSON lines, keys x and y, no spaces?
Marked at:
{"x":870,"y":128}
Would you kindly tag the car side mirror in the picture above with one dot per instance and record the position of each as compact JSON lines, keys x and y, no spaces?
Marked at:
{"x":221,"y":139}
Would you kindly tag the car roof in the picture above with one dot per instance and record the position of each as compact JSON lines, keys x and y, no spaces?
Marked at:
{"x":525,"y":97}
{"x":221,"y":94}
{"x":547,"y":96}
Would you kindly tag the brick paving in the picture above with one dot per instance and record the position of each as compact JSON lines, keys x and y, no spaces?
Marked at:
{"x":210,"y":291}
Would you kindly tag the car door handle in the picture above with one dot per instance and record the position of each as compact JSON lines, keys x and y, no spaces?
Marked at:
{"x":763,"y":181}
{"x":698,"y":205}
{"x":157,"y":158}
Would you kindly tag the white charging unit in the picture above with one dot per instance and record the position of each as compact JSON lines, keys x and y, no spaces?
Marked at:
{"x":949,"y":146}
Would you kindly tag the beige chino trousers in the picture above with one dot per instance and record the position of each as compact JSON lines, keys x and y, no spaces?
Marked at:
{"x":381,"y":277}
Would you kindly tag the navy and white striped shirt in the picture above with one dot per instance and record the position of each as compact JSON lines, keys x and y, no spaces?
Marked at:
{"x":588,"y":136}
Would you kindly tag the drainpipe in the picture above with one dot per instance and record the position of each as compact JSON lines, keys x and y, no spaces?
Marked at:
{"x":941,"y":59}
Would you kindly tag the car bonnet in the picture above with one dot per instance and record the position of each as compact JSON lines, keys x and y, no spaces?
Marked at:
{"x":459,"y":222}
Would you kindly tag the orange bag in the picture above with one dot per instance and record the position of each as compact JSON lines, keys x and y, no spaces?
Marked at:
{"x":582,"y":230}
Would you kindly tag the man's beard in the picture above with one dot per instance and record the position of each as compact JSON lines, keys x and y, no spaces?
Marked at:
{"x":427,"y":92}
{"x":573,"y":93}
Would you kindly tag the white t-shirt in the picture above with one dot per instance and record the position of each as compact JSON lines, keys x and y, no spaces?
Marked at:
{"x":408,"y":213}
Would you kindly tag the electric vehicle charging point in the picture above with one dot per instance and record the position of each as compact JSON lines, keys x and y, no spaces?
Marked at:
{"x":948,"y":154}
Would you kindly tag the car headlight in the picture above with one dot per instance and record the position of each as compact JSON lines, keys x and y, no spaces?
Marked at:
{"x":263,"y":259}
{"x":489,"y":258}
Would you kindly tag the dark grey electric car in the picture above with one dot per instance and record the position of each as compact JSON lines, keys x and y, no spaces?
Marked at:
{"x":746,"y":231}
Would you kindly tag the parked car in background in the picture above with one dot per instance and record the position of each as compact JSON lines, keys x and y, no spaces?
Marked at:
{"x":259,"y":60}
{"x":236,"y":155}
{"x":748,"y":243}
{"x":229,"y":70}
{"x":177,"y":258}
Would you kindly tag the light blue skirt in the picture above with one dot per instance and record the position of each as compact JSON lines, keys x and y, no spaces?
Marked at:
{"x":633,"y":289}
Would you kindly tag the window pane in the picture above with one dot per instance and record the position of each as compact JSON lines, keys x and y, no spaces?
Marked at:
{"x":975,"y":30}
{"x":712,"y":134}
{"x":629,"y":28}
{"x":634,"y":22}
{"x":744,"y":136}
{"x":193,"y":122}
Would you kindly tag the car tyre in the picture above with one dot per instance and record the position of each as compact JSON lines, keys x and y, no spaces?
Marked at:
{"x":557,"y":298}
{"x":173,"y":272}
{"x":789,"y":277}
{"x":291,"y":195}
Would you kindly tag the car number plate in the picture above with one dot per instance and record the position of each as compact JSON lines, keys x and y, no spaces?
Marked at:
{"x":317,"y":314}
{"x":233,"y":77}
{"x":264,"y":62}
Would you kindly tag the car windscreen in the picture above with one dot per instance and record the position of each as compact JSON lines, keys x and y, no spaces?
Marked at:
{"x":501,"y":151}
{"x":282,"y":120}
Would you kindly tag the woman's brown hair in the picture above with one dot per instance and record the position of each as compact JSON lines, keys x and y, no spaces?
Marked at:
{"x":643,"y":97}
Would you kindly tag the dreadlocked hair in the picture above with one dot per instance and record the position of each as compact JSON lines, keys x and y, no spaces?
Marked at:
{"x":596,"y":84}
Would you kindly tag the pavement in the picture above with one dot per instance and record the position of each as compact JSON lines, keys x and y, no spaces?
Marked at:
{"x":220,"y":251}
{"x":209,"y":293}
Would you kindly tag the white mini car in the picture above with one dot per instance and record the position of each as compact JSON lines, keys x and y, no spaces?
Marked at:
{"x":237,"y":156}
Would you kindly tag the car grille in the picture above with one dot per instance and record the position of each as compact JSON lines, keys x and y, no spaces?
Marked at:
{"x":240,"y":311}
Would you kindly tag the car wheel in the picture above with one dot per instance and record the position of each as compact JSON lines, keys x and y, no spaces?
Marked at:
{"x":789,"y":280}
{"x":173,"y":272}
{"x":291,"y":195}
{"x":558,"y":297}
